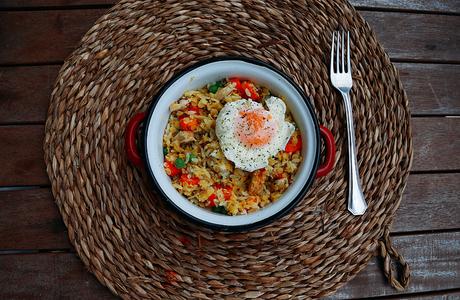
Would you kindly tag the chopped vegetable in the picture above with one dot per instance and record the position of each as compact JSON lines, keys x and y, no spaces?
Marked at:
{"x":238,"y":86}
{"x":211,"y":200}
{"x":189,"y":157}
{"x":279,"y":176}
{"x":165,"y":150}
{"x":193,"y":158}
{"x":188,"y":123}
{"x":249,"y":90}
{"x":294,"y":144}
{"x":219,"y":209}
{"x":224,"y":91}
{"x":192,"y":109}
{"x":213,"y":88}
{"x":179,"y":163}
{"x":190,"y":180}
{"x":171,"y":169}
{"x":226,"y":190}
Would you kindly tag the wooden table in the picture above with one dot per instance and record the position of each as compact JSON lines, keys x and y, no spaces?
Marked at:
{"x":36,"y":259}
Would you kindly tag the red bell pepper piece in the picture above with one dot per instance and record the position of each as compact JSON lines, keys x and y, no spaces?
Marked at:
{"x":211,"y":200}
{"x":250,"y":90}
{"x":226,"y":190}
{"x":238,"y":86}
{"x":195,"y":109}
{"x":279,"y":176}
{"x":187,"y":123}
{"x":171,"y":169}
{"x":189,"y":180}
{"x":294,"y":144}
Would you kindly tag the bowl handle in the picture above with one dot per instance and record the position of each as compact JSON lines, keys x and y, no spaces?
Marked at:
{"x":130,"y":139}
{"x":328,"y":164}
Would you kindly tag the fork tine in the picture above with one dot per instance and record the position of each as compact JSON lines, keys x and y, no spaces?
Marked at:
{"x":332,"y":52}
{"x":348,"y":54}
{"x":338,"y":52}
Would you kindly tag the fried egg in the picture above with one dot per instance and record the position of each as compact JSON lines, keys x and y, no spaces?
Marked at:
{"x":249,"y":134}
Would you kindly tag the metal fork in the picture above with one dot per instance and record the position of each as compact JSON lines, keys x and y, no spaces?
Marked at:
{"x":342,"y":81}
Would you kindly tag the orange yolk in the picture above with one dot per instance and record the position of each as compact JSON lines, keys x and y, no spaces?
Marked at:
{"x":255,"y":127}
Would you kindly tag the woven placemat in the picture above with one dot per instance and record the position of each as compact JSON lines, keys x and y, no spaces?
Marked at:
{"x":123,"y":232}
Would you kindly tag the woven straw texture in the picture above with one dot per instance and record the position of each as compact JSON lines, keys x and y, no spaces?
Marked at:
{"x":122,"y":230}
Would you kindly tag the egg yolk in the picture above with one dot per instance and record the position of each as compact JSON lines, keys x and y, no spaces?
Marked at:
{"x":255,"y":127}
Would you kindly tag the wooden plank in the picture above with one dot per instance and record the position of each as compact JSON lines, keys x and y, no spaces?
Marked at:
{"x":56,"y":33}
{"x":432,"y":198}
{"x":442,"y":295}
{"x":25,"y":93}
{"x":48,"y":276}
{"x":29,"y":219}
{"x":21,"y":156}
{"x":432,"y":88}
{"x":442,"y":6}
{"x":436,"y":144}
{"x":51,"y":3}
{"x":434,"y":260}
{"x":417,"y":36}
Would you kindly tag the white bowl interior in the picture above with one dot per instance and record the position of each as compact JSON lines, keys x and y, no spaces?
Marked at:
{"x":199,"y":77}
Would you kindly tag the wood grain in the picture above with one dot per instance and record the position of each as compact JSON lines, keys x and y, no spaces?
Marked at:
{"x":25,"y":91}
{"x":438,"y":253}
{"x":443,"y":6}
{"x":432,"y":88}
{"x":51,"y":3}
{"x":48,"y":276}
{"x":446,"y":6}
{"x":405,"y":36}
{"x":442,"y":295}
{"x":432,"y":198}
{"x":436,"y":144}
{"x":29,"y":219}
{"x":417,"y":36}
{"x":21,"y":156}
{"x":434,"y":260}
{"x":54,"y":33}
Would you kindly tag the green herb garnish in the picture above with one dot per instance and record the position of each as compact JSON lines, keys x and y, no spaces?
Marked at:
{"x":213,"y":88}
{"x":219,"y":209}
{"x":179,"y":163}
{"x":165,"y":151}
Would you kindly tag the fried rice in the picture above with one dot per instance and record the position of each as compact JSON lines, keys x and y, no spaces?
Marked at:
{"x":197,"y":166}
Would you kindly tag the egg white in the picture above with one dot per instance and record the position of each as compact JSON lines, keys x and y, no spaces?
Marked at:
{"x":246,"y":158}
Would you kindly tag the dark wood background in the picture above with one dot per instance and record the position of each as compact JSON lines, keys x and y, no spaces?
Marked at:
{"x":422,"y":38}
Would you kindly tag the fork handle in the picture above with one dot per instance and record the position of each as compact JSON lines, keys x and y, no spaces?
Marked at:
{"x":356,"y":203}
